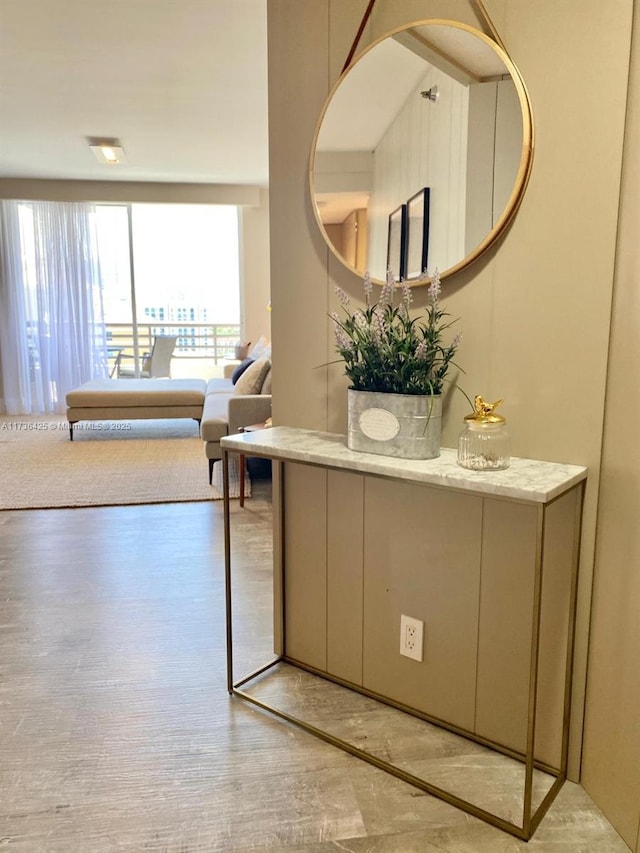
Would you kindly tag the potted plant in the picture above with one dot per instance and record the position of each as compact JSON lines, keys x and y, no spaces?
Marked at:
{"x":397,"y":366}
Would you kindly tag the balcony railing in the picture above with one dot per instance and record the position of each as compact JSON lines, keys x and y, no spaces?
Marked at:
{"x":215,"y":341}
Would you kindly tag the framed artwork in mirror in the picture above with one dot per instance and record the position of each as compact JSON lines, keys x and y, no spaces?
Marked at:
{"x":397,"y":242}
{"x":417,"y":242}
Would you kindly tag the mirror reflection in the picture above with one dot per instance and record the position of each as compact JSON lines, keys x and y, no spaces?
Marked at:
{"x":431,"y":126}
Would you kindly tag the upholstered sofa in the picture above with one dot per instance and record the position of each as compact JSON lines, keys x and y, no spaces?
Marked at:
{"x":240,"y":399}
{"x":221,"y":406}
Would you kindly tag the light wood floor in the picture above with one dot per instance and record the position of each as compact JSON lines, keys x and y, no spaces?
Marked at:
{"x":117,"y":733}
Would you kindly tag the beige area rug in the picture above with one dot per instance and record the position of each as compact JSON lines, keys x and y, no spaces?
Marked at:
{"x":108,"y":463}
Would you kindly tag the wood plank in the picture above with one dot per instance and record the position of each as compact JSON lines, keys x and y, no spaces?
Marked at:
{"x":422,"y":559}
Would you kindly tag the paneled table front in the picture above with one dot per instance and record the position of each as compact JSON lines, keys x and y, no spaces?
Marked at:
{"x":487,"y":561}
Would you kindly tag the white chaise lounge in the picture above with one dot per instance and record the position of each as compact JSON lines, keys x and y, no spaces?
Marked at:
{"x":135,"y":399}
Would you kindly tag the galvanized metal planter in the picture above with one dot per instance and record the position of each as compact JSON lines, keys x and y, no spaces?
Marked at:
{"x":406,"y":426}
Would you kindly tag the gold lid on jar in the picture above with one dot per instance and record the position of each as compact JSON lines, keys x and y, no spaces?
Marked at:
{"x":484,"y":413}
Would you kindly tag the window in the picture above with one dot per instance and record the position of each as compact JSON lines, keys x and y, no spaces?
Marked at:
{"x":185,"y":262}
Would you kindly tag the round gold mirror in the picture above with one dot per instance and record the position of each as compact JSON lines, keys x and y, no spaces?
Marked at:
{"x":422,"y":152}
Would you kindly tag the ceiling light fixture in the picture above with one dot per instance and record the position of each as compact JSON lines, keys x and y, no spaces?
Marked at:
{"x":107,"y":151}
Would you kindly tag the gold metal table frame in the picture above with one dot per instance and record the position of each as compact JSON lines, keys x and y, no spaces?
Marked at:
{"x":531,"y":817}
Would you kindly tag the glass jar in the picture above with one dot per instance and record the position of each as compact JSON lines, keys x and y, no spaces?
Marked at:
{"x":484,"y":443}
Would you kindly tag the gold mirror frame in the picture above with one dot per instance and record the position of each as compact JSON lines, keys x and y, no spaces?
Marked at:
{"x":525,"y":162}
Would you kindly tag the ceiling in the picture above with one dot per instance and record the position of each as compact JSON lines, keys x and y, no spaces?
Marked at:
{"x":181,"y":83}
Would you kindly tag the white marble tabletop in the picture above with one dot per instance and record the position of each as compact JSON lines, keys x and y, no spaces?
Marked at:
{"x":525,"y":479}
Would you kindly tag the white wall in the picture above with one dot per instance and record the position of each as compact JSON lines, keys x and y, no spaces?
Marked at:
{"x":255,"y":287}
{"x":493,"y":156}
{"x":128,"y":191}
{"x":439,"y":128}
{"x":611,"y":767}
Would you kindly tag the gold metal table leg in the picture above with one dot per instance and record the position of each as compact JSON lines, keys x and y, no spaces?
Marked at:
{"x":242,"y":474}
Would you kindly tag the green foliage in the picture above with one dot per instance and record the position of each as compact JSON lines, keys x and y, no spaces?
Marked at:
{"x":385,"y":350}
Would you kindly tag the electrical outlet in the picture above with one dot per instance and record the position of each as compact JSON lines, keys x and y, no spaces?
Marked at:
{"x":411,"y":637}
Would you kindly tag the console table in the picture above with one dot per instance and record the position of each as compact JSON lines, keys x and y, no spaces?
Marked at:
{"x":486,"y":561}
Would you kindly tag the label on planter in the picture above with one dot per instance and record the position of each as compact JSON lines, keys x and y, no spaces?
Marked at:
{"x":379,"y":424}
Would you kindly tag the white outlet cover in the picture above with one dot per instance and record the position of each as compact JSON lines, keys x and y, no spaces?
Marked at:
{"x":411,"y":637}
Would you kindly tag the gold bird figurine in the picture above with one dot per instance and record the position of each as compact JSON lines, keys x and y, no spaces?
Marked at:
{"x":484,"y":412}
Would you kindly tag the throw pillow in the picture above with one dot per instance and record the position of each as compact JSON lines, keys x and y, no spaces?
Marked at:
{"x":240,"y":369}
{"x":252,"y":379}
{"x":266,"y":385}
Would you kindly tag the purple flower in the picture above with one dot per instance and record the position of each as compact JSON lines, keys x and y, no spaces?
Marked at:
{"x":360,"y":320}
{"x":386,"y":294}
{"x":342,"y":339}
{"x":368,"y":286}
{"x":406,"y":300}
{"x":435,"y":288}
{"x":342,"y":297}
{"x":378,"y":328}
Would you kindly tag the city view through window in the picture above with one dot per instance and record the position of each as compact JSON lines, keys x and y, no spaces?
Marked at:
{"x":185,"y":262}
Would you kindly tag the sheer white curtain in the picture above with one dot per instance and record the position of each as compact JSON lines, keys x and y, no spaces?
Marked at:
{"x":52,"y":332}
